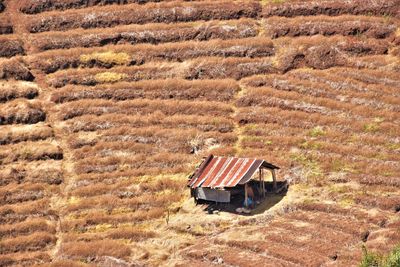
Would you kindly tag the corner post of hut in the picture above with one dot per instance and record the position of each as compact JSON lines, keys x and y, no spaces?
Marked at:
{"x":274,"y":186}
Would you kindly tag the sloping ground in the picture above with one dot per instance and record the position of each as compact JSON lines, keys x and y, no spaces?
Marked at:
{"x":106,"y":106}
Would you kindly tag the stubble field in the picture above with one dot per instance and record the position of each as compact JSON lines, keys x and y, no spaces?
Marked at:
{"x":107,"y":106}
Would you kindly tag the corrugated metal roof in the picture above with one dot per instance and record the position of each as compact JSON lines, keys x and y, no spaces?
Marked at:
{"x":226,"y":171}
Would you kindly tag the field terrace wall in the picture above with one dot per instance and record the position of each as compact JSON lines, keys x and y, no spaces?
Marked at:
{"x":106,"y":106}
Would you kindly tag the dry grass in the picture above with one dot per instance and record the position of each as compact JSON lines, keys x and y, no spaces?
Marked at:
{"x":203,"y":68}
{"x":148,"y":33}
{"x":331,"y":8}
{"x":48,"y":171}
{"x":16,"y":134}
{"x":27,"y":227}
{"x":325,"y":25}
{"x":10,"y":47}
{"x":132,"y":94}
{"x":21,"y":111}
{"x":84,"y":250}
{"x":33,"y":7}
{"x":217,"y":90}
{"x":143,"y":106}
{"x":25,"y":258}
{"x":137,"y":14}
{"x":33,"y":242}
{"x":139,"y":54}
{"x":14,"y":68}
{"x":203,"y":123}
{"x":9,"y":91}
{"x":30,"y":151}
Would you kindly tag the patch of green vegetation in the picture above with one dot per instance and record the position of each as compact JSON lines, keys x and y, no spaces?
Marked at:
{"x":311,"y":145}
{"x":109,"y":77}
{"x":387,"y":18}
{"x":338,"y":165}
{"x":309,"y":201}
{"x":317,"y":131}
{"x":313,"y":170}
{"x":387,"y":173}
{"x":108,"y":57}
{"x":268,"y":142}
{"x":371,"y":259}
{"x":266,"y":2}
{"x":339,"y":189}
{"x":373,"y":126}
{"x":346,"y":202}
{"x":393,"y":146}
{"x":250,"y":127}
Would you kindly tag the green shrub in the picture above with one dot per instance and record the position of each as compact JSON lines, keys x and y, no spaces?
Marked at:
{"x":370,"y":259}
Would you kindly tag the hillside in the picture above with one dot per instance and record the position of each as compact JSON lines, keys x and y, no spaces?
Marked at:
{"x":106,"y":107}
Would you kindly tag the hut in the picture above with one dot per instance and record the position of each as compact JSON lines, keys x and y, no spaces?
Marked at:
{"x":217,"y":178}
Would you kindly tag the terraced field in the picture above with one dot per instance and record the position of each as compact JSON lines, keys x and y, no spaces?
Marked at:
{"x":106,"y":106}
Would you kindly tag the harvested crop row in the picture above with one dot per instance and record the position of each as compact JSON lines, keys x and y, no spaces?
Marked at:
{"x":342,"y":224}
{"x":184,"y":145}
{"x":291,"y":100}
{"x":124,"y":188}
{"x":203,"y":123}
{"x":332,"y":8}
{"x":389,"y":63}
{"x":33,"y":242}
{"x":12,"y":90}
{"x":329,"y":161}
{"x":308,"y":120}
{"x":143,"y":107}
{"x":138,"y":14}
{"x":12,"y":194}
{"x":10,"y":47}
{"x":360,"y":214}
{"x":107,"y":57}
{"x":293,"y":255}
{"x":214,"y":90}
{"x":83,"y":250}
{"x":34,"y":172}
{"x":25,"y":258}
{"x":343,"y":25}
{"x":34,"y":7}
{"x":390,"y":79}
{"x":388,"y":94}
{"x":319,"y":233}
{"x":6,"y":26}
{"x":107,"y":149}
{"x":132,"y":233}
{"x":16,"y":134}
{"x":167,"y":162}
{"x":22,"y":211}
{"x":21,"y":111}
{"x":15,"y":69}
{"x":377,"y":180}
{"x":323,"y":133}
{"x":95,"y":217}
{"x":202,"y":68}
{"x":30,"y":151}
{"x":184,"y":140}
{"x":303,"y":81}
{"x":322,"y":146}
{"x":320,"y":52}
{"x":148,"y":33}
{"x":129,"y":204}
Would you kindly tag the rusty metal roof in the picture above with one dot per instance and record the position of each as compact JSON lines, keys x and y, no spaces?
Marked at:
{"x":226,"y":171}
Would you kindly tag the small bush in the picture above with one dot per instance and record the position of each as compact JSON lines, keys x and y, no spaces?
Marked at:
{"x":371,"y":259}
{"x":107,"y":58}
{"x":109,"y":77}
